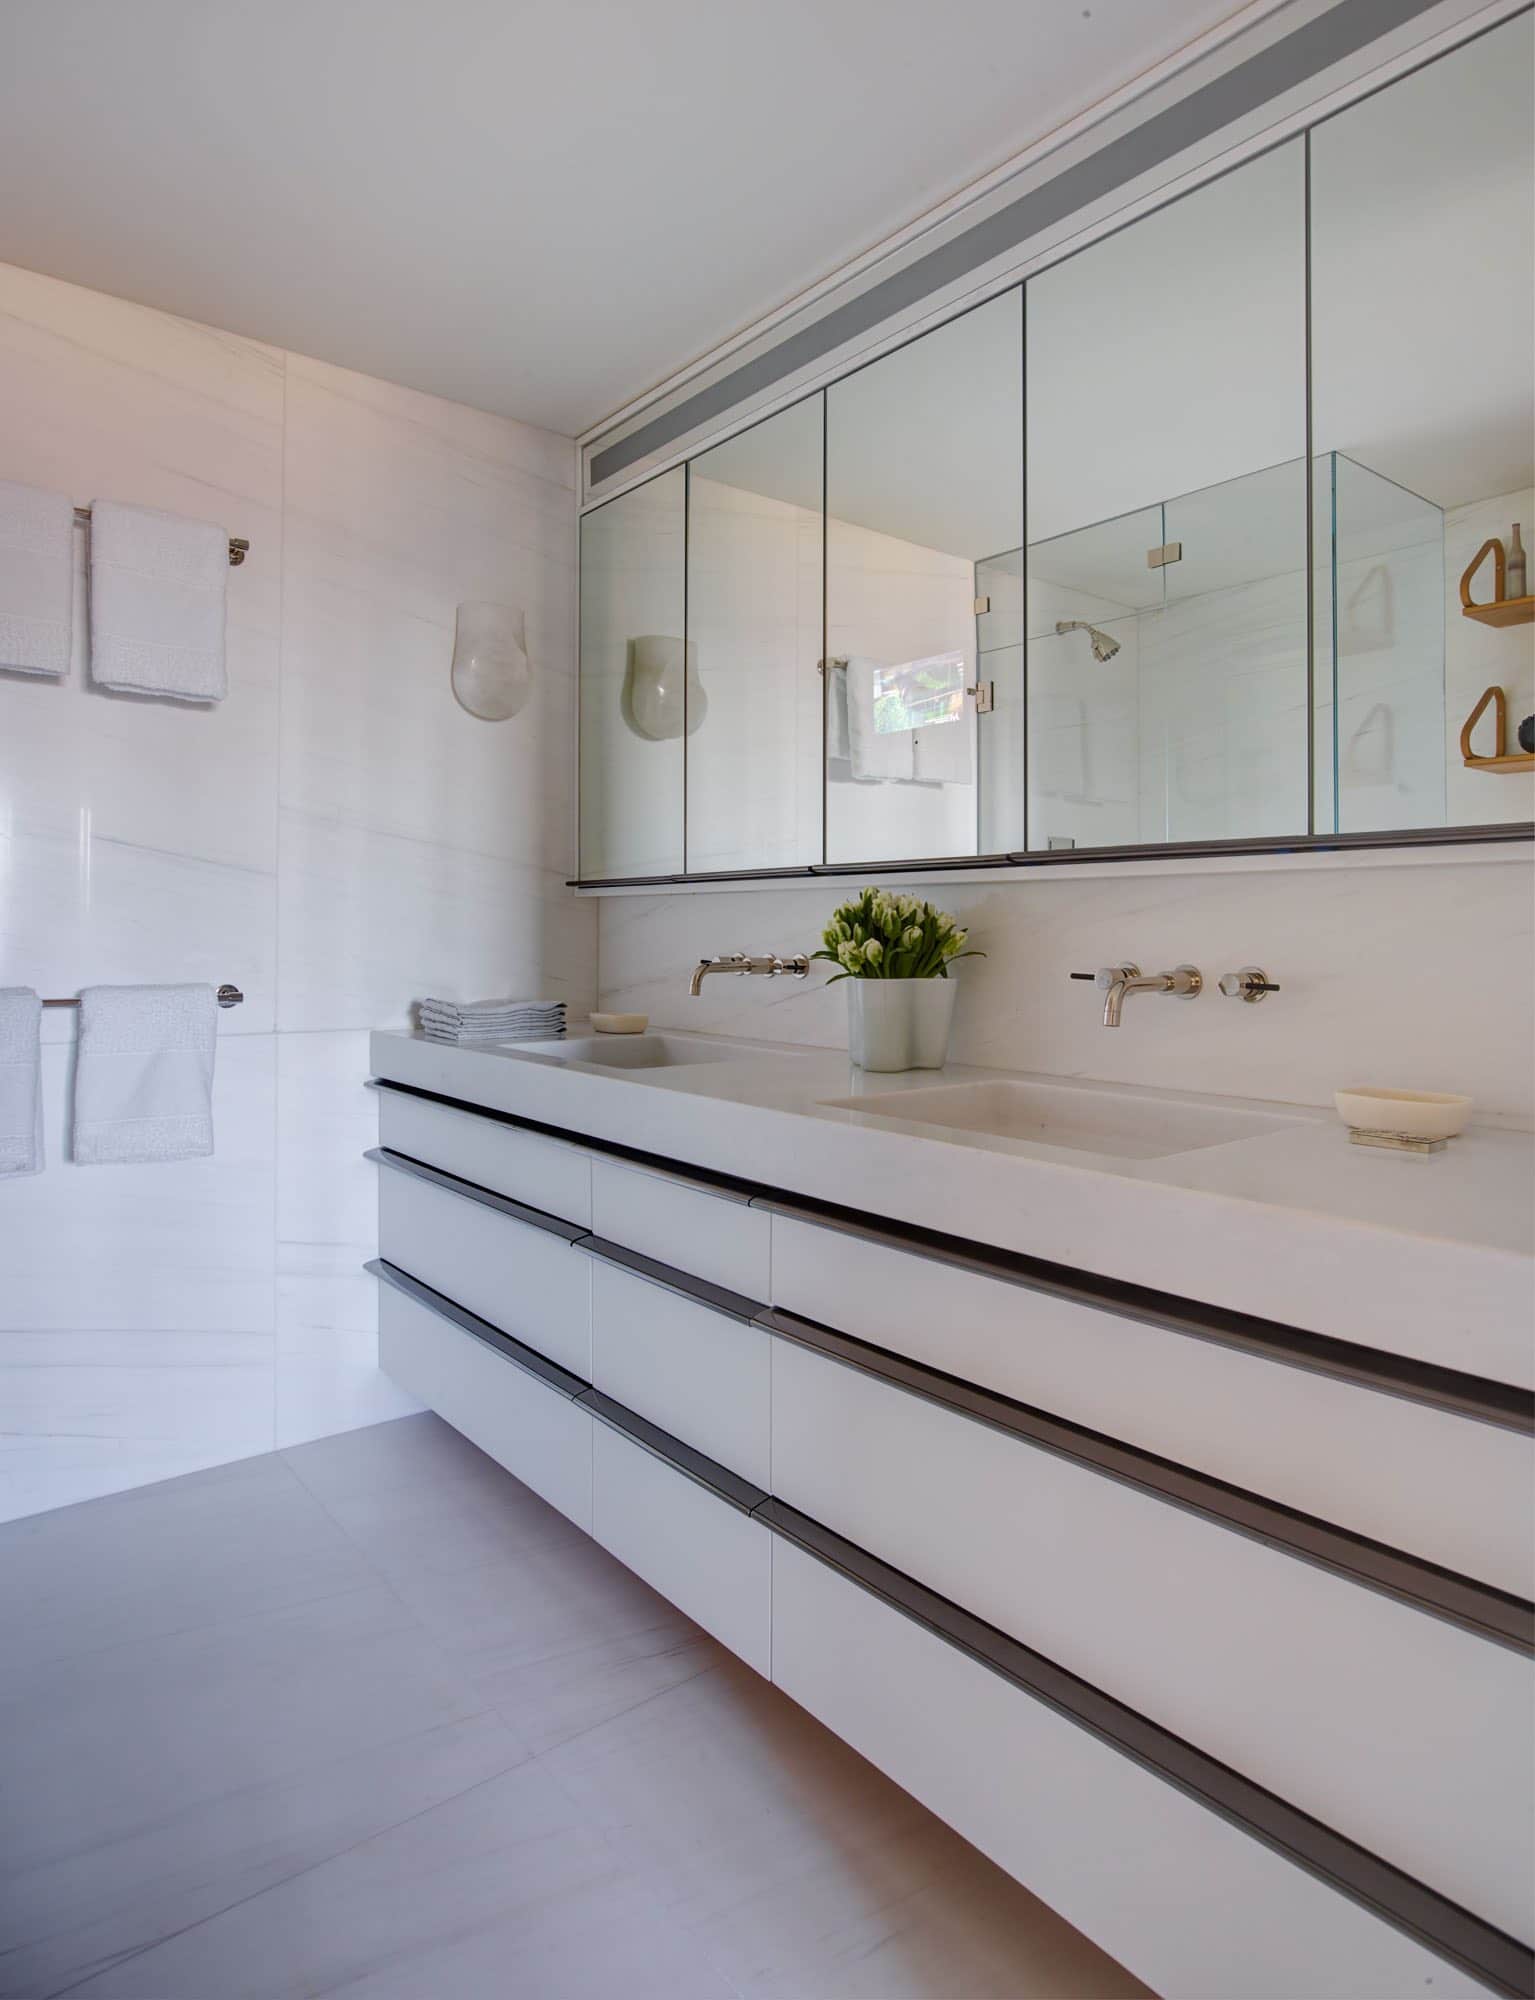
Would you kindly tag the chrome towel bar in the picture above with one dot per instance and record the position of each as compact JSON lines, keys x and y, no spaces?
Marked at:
{"x":227,"y":996}
{"x":239,"y":549}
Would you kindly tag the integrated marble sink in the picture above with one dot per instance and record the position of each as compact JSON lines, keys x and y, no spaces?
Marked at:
{"x":644,"y":1051}
{"x":1107,"y":1122}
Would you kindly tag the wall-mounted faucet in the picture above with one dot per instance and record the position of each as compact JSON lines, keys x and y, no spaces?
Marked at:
{"x":762,"y":965}
{"x":1116,"y":982}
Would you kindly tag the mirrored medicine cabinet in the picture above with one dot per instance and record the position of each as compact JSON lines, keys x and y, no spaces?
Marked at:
{"x":1162,"y":547}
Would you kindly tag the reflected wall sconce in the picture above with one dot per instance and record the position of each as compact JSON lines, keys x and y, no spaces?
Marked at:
{"x":492,"y":676}
{"x":653,"y":701}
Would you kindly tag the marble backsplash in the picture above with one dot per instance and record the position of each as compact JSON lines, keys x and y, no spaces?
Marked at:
{"x":1416,"y":972}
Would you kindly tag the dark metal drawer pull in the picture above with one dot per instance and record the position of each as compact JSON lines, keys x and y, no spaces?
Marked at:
{"x":1477,"y":1607}
{"x":507,"y":1345}
{"x":503,"y":1204}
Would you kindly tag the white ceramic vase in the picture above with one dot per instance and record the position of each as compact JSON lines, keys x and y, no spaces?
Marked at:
{"x":895,"y":1024}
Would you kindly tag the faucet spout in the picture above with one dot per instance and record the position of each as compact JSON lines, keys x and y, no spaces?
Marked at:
{"x":1117,"y":982}
{"x":733,"y":961}
{"x":1114,"y":982}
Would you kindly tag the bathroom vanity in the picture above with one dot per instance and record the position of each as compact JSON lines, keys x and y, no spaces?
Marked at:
{"x":1141,"y":1480}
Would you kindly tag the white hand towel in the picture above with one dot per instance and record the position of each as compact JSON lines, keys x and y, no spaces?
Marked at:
{"x":37,"y":537}
{"x":144,"y":1074}
{"x":21,"y":1090}
{"x":157,"y":603}
{"x":886,"y":757}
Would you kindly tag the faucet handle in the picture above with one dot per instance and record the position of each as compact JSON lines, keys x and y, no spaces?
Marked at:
{"x":1108,"y":975}
{"x":1250,"y":984}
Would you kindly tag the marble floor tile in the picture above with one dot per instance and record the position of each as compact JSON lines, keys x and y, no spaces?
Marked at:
{"x":558,"y":1638}
{"x":800,"y":1868}
{"x":101,"y":1744}
{"x":413,"y":1454}
{"x":450,"y":1525}
{"x":69,"y":1919}
{"x":502,"y":1891}
{"x":509,"y":1772}
{"x":168,"y":1558}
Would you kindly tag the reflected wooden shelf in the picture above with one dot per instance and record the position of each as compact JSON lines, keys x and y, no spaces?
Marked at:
{"x":1502,"y":759}
{"x":1510,"y":611}
{"x":1498,"y":610}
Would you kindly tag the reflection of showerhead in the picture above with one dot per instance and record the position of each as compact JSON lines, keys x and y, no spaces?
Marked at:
{"x":1104,"y":648}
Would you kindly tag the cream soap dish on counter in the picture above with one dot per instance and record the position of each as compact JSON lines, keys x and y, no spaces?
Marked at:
{"x":1407,"y":1121}
{"x":620,"y":1024}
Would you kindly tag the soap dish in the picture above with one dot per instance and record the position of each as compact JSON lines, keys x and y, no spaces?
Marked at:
{"x":620,"y":1024}
{"x":1406,"y":1121}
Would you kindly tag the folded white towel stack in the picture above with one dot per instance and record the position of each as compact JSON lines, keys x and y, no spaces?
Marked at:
{"x":157,"y":602}
{"x":492,"y":1020}
{"x":37,"y":553}
{"x":144,"y":1074}
{"x":21,"y":1092}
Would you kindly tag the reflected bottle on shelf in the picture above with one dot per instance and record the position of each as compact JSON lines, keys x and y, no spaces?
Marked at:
{"x":1515,"y":570}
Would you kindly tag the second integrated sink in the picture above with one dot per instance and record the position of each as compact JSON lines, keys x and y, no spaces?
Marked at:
{"x":644,"y":1051}
{"x":1107,"y":1122}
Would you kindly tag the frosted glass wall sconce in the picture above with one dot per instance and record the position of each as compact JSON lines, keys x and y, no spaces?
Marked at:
{"x":653,"y":702}
{"x":492,"y":676}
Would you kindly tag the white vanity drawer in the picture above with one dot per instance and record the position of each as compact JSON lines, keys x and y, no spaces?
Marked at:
{"x":545,"y":1173}
{"x":1449,"y":1488}
{"x":697,"y":1373}
{"x":522,"y":1279}
{"x":708,"y":1235}
{"x":709,"y":1558}
{"x":1189,"y":1902}
{"x":1408,"y":1733}
{"x":541,"y":1437}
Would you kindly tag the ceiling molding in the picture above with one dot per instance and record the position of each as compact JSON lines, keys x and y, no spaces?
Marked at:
{"x":1262,"y":77}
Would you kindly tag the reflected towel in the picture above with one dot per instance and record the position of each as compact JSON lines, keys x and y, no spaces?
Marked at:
{"x":836,"y":711}
{"x":157,"y":603}
{"x":37,"y":534}
{"x":144,"y":1074}
{"x":21,"y":1088}
{"x":884,"y":758}
{"x":943,"y":751}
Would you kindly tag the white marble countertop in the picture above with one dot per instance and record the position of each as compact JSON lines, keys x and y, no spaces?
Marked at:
{"x":1428,"y":1256}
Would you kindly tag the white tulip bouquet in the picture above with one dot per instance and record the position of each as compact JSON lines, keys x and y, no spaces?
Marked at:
{"x":880,"y":936}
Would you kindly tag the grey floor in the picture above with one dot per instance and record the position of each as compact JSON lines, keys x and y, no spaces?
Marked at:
{"x":367,"y":1717}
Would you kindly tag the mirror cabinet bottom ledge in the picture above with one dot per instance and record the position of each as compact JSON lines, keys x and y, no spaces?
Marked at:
{"x":1426,"y":843}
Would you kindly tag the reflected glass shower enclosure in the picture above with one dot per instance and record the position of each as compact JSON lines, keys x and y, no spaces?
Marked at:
{"x":1168,"y":694}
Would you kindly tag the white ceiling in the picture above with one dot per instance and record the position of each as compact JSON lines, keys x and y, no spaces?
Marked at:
{"x":539,"y":207}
